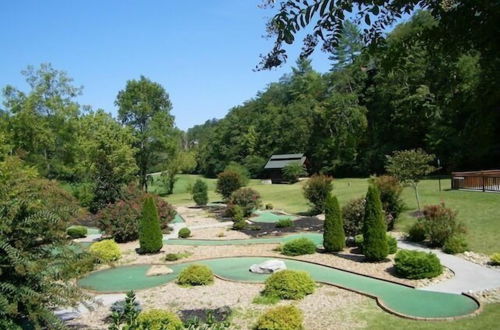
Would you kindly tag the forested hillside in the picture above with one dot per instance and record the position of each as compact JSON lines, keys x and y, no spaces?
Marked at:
{"x":410,"y":91}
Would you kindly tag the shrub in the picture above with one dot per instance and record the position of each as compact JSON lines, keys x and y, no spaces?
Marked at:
{"x":417,"y":264}
{"x":76,"y":231}
{"x":281,"y":318}
{"x":200,"y":192}
{"x":177,"y":256}
{"x":390,"y":196}
{"x":440,"y":224}
{"x":120,"y":220}
{"x":239,"y":225}
{"x":269,"y":206}
{"x":374,"y":228}
{"x":455,"y":244}
{"x":105,"y":251}
{"x":283,"y":223}
{"x":184,"y":232}
{"x":195,"y":275}
{"x":255,"y":165}
{"x":289,"y":284}
{"x":150,"y":235}
{"x":316,"y":189}
{"x":417,"y":232}
{"x":228,"y":182}
{"x":358,"y":240}
{"x":299,"y":246}
{"x":247,"y":198}
{"x":333,"y":234}
{"x":293,"y":171}
{"x":235,"y":212}
{"x":157,"y":319}
{"x":353,"y":213}
{"x":392,"y":244}
{"x":495,"y":259}
{"x":241,"y":170}
{"x":124,"y":313}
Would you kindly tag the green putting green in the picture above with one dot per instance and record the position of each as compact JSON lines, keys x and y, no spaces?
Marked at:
{"x":315,"y":237}
{"x":269,"y":217}
{"x":178,"y":219}
{"x":397,"y":298}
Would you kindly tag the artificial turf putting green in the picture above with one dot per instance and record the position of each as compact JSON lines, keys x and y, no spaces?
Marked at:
{"x":396,"y":297}
{"x":315,"y":237}
{"x":270,"y":217}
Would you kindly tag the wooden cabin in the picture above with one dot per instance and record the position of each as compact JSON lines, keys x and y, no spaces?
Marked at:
{"x":476,"y":180}
{"x":274,"y":167}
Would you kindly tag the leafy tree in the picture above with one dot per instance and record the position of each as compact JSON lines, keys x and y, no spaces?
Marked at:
{"x":145,"y":107}
{"x":333,"y":234}
{"x":292,"y":172}
{"x":316,"y":190}
{"x":200,"y":192}
{"x":228,"y":182}
{"x":150,"y":235}
{"x":36,"y":262}
{"x":375,"y":246}
{"x":409,"y":167}
{"x":240,"y":169}
{"x":349,"y":46}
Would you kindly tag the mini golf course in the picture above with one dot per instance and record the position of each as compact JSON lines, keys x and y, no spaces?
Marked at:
{"x":270,"y":217}
{"x":315,"y":237}
{"x":396,"y":298}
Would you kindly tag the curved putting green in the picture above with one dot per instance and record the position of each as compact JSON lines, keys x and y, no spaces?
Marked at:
{"x":315,"y":237}
{"x":269,"y":217}
{"x":395,"y":297}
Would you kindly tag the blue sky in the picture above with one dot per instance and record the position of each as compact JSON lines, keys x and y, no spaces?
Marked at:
{"x":202,"y":52}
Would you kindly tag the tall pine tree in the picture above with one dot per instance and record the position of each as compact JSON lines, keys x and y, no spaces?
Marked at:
{"x":333,"y":235}
{"x":374,"y":227}
{"x":150,"y":235}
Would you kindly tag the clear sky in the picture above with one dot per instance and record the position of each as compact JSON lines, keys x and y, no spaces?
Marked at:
{"x":202,"y":52}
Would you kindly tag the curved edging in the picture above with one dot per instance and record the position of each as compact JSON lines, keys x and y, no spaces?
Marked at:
{"x":378,"y":300}
{"x":241,"y":239}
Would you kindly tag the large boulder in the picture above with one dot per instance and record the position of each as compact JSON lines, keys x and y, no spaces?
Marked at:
{"x":268,"y":267}
{"x":157,"y":270}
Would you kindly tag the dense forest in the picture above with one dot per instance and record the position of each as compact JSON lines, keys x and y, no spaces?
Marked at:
{"x":408,"y":92}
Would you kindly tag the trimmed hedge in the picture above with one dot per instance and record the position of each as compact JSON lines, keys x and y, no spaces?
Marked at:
{"x":150,"y":235}
{"x":184,"y":232}
{"x":77,"y":231}
{"x":157,"y":319}
{"x":455,"y":244}
{"x":333,"y":234}
{"x":289,"y":284}
{"x":196,"y":275}
{"x":298,"y":246}
{"x":281,"y":318}
{"x":375,"y":246}
{"x":417,"y":264}
{"x":105,"y":251}
{"x":228,"y":182}
{"x":200,"y":193}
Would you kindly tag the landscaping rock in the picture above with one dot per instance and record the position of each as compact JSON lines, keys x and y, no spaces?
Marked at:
{"x":268,"y":267}
{"x":157,"y":270}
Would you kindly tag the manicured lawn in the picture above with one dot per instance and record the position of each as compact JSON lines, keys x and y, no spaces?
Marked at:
{"x":377,"y":319}
{"x":479,"y":211}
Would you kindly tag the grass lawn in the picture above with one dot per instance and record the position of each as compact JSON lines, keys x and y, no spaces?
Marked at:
{"x":376,"y":319}
{"x":479,"y":211}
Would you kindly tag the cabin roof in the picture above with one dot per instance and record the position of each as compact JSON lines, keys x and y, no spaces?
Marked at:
{"x":280,"y":161}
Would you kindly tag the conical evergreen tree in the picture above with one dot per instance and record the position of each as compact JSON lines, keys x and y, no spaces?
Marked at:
{"x":375,"y":246}
{"x":333,"y":234}
{"x":150,"y":235}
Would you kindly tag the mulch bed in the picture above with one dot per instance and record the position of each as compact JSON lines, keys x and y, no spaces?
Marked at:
{"x":260,"y":229}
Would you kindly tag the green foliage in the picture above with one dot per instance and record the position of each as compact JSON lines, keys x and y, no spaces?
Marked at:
{"x":293,"y":171}
{"x":284,"y":223}
{"x":241,"y":170}
{"x":125,"y":313}
{"x":177,"y":256}
{"x":228,"y":182}
{"x":298,"y":246}
{"x":289,"y":284}
{"x":353,"y":214}
{"x":417,"y":264}
{"x":157,"y":319}
{"x":390,"y":196}
{"x":392,"y":244}
{"x":269,"y":206}
{"x":495,"y":259}
{"x":417,"y":232}
{"x":455,"y":244}
{"x":184,"y":232}
{"x":281,"y":318}
{"x":150,"y":235}
{"x":200,"y":193}
{"x":374,"y":228}
{"x":440,"y":224}
{"x":265,"y":300}
{"x":254,"y":165}
{"x":195,"y":275}
{"x":234,"y":212}
{"x":333,"y":233}
{"x":239,"y":225}
{"x":105,"y":251}
{"x":77,"y":231}
{"x":246,"y":198}
{"x":316,"y":190}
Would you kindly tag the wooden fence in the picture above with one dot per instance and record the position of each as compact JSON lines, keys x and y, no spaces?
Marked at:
{"x":476,"y":180}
